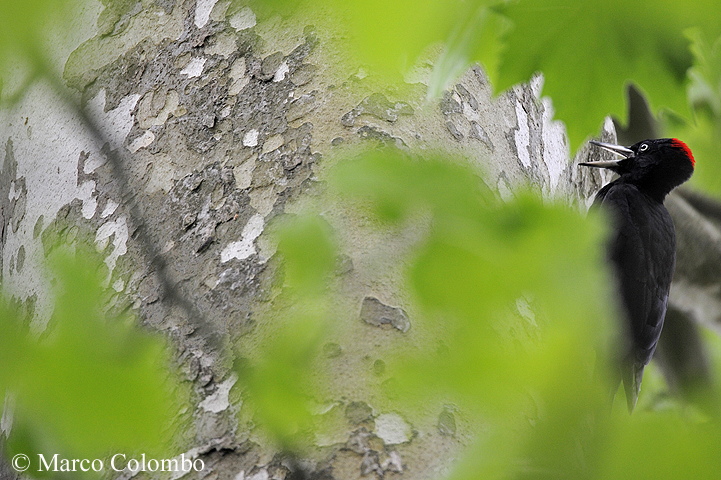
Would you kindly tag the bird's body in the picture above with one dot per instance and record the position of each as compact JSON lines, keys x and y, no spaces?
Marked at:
{"x":642,"y":247}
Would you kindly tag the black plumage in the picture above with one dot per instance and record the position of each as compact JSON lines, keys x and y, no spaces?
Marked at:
{"x":642,"y":247}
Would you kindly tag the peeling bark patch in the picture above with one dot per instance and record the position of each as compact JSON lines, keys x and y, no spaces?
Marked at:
{"x":479,"y":133}
{"x":21,"y":259}
{"x":454,"y":131}
{"x":392,"y":463}
{"x":392,"y":429}
{"x":447,"y":423}
{"x":9,"y":171}
{"x":250,"y":139}
{"x":467,"y":96}
{"x":272,"y":143}
{"x":270,"y":66}
{"x":300,"y":107}
{"x":243,"y":20}
{"x":449,"y":105}
{"x":464,"y":117}
{"x":359,"y":441}
{"x":368,"y":132}
{"x":202,"y":12}
{"x":142,"y":141}
{"x":244,"y":248}
{"x":218,"y":401}
{"x":503,"y":186}
{"x":523,"y":136}
{"x":370,"y":464}
{"x":109,"y":209}
{"x":262,"y":474}
{"x":358,"y":412}
{"x":118,"y":229}
{"x":376,"y":313}
{"x":155,"y":109}
{"x":282,"y":71}
{"x":194,"y":67}
{"x":90,"y":202}
{"x":555,"y":147}
{"x":18,"y":197}
{"x":239,"y":76}
{"x":243,"y":173}
{"x":38,"y":228}
{"x":379,"y":367}
{"x":303,"y":74}
{"x":114,"y":124}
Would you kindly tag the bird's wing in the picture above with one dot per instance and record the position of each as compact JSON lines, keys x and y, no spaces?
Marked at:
{"x":643,"y":253}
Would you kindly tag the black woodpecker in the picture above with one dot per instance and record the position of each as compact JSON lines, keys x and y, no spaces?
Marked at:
{"x":642,"y":247}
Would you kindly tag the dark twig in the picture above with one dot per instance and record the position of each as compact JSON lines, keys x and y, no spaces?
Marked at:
{"x":148,"y":247}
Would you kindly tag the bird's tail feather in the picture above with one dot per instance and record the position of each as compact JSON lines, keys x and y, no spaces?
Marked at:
{"x":632,"y":374}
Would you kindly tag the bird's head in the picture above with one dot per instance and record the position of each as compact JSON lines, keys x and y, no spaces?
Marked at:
{"x":655,"y":166}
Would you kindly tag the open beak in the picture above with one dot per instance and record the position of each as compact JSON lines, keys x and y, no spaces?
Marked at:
{"x":625,"y":152}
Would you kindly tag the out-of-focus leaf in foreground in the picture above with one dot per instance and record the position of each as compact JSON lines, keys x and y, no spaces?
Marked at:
{"x":515,"y":295}
{"x":588,"y":50}
{"x":93,"y":384}
{"x":661,"y":445}
{"x":391,"y":36}
{"x":24,"y":38}
{"x":520,"y":288}
{"x":703,"y":133}
{"x":278,"y":381}
{"x":22,"y":22}
{"x":476,"y":36}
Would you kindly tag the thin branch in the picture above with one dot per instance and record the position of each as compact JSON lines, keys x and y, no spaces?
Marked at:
{"x":147,"y":246}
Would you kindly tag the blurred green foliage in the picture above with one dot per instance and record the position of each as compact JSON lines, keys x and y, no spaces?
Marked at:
{"x":23,"y":24}
{"x":703,"y":134}
{"x":277,"y":384}
{"x":588,"y":50}
{"x":27,"y":29}
{"x":480,"y":258}
{"x":93,"y":384}
{"x":517,"y":294}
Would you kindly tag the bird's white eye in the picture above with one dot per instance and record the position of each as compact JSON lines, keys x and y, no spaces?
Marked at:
{"x":643,"y":147}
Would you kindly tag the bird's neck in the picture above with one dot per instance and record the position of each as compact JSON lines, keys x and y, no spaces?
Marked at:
{"x":656,"y":187}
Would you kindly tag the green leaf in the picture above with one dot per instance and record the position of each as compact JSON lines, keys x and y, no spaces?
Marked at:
{"x":476,"y":36}
{"x":703,"y":133}
{"x":588,"y":50}
{"x":391,"y":35}
{"x":478,"y":260}
{"x":705,"y":88}
{"x":306,"y":245}
{"x":661,"y":445}
{"x":277,"y":378}
{"x":29,"y":32}
{"x":94,"y":384}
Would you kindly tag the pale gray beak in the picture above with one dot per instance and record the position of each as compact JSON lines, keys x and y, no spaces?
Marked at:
{"x":625,"y":152}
